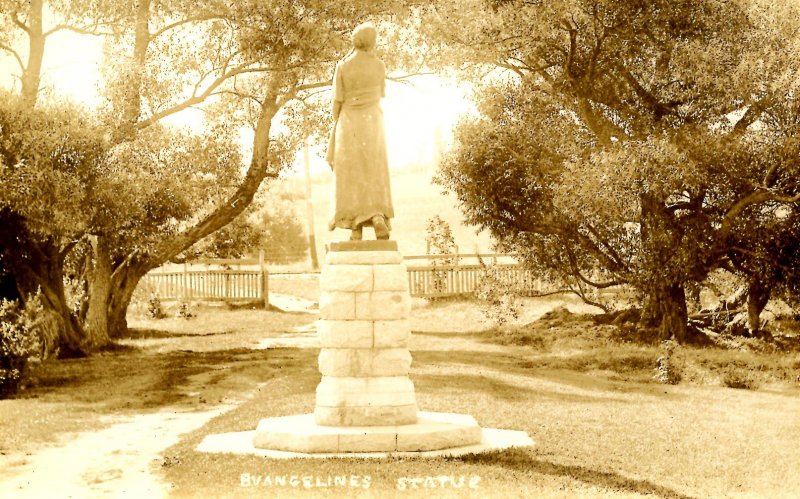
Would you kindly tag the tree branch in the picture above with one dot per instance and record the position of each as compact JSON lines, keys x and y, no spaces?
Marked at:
{"x":206,"y":17}
{"x":613,"y":259}
{"x":598,"y":127}
{"x":15,"y":54}
{"x":237,"y":94}
{"x":580,"y":294}
{"x":754,"y":111}
{"x":573,"y":37}
{"x":239,"y":200}
{"x":407,"y":76}
{"x":197,"y":99}
{"x":24,"y":27}
{"x":83,"y":30}
{"x":658,"y":108}
{"x":755,"y":197}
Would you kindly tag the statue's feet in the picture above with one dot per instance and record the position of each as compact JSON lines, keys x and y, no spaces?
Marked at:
{"x":356,"y":234}
{"x":381,"y":229}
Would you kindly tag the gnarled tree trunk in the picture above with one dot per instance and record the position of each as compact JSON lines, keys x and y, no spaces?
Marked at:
{"x":123,"y":283}
{"x":45,"y":272}
{"x":98,"y":276}
{"x":665,"y":297}
{"x":672,"y":311}
{"x":757,"y":298}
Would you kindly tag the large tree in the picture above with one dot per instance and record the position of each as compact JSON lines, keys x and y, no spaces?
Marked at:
{"x":35,"y":258}
{"x":626,"y":141}
{"x":250,"y":60}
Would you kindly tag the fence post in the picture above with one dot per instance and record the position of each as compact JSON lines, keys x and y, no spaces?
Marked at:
{"x":184,"y":294}
{"x":456,"y":275}
{"x":264,"y":274}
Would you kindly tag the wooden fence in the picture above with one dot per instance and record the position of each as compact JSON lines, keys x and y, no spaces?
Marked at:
{"x":209,"y":284}
{"x":429,"y":280}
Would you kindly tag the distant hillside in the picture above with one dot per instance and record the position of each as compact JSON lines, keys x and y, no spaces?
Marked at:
{"x":416,"y":199}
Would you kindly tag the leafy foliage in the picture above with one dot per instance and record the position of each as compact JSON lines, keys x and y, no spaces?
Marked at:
{"x":668,"y":367}
{"x":268,"y":224}
{"x":185,"y":311}
{"x":19,"y":341}
{"x":154,"y":308}
{"x":740,"y":377}
{"x":440,"y":241}
{"x":628,"y":142}
{"x":499,"y":298}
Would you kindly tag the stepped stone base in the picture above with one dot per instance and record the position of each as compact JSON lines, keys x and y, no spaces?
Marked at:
{"x":432,"y":431}
{"x":365,"y":401}
{"x":241,"y":443}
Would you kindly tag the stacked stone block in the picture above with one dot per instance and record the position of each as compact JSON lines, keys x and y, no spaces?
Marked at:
{"x":363,"y":333}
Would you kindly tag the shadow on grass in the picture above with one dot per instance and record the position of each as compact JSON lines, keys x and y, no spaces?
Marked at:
{"x":581,"y":362}
{"x":500,"y":389}
{"x":523,"y":461}
{"x":440,"y":334}
{"x":143,"y":333}
{"x":139,"y":380}
{"x":568,"y":370}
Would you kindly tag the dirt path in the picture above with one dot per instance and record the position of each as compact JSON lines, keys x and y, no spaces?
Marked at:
{"x":125,"y":458}
{"x":118,"y":461}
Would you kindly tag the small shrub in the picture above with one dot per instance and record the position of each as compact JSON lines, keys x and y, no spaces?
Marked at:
{"x":500,"y":301}
{"x":440,"y":241}
{"x":154,"y":308}
{"x":184,"y":312}
{"x":18,"y":343}
{"x":737,"y":377}
{"x":669,"y":370}
{"x":522,"y":336}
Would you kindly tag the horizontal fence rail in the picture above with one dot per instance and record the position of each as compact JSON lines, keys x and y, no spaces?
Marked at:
{"x":207,"y":285}
{"x":435,"y":281}
{"x":426,"y":278}
{"x":211,"y":284}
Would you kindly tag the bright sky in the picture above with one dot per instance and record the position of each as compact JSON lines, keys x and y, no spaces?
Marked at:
{"x":419,"y":115}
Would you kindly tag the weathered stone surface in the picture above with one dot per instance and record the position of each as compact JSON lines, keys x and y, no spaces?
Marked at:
{"x":383,"y":305}
{"x":439,"y":427}
{"x":363,"y":362}
{"x":390,"y":278}
{"x":345,"y":334}
{"x":293,"y":433}
{"x":391,"y":334}
{"x":367,"y":385}
{"x":366,"y":441}
{"x":337,"y":305}
{"x":429,"y":435}
{"x":363,"y":257}
{"x":366,"y":416}
{"x":327,"y":397}
{"x":346,"y":278}
{"x":390,"y":362}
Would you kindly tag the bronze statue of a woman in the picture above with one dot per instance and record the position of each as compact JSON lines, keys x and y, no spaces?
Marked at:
{"x":357,"y":149}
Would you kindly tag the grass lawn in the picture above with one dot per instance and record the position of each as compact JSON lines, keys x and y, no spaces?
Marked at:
{"x":586,"y":395}
{"x":602,"y":425}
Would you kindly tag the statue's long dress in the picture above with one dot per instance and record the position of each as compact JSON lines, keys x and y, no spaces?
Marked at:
{"x":357,"y":151}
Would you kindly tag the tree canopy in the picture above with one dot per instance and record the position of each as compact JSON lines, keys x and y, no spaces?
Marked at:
{"x":628,"y":142}
{"x":154,"y":193}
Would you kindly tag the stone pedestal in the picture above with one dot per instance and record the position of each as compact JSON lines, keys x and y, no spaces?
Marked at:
{"x":365,"y":402}
{"x":363,"y":333}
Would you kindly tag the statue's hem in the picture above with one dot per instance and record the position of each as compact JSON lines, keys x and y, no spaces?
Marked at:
{"x":370,"y":245}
